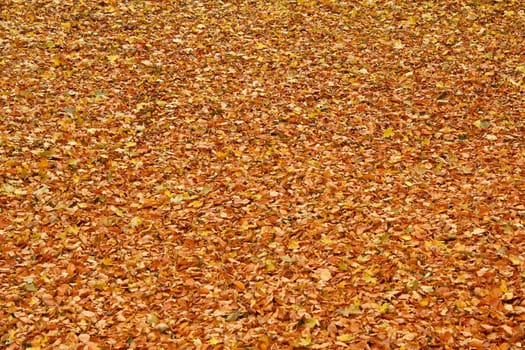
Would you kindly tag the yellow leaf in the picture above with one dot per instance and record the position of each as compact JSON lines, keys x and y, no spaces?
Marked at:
{"x":481,"y":124}
{"x":116,"y":210}
{"x":411,"y":20}
{"x":152,"y":319}
{"x":311,"y":322}
{"x":135,"y":222}
{"x":100,"y":285}
{"x":196,"y":204}
{"x":221,"y":155}
{"x":503,"y":286}
{"x":293,"y":244}
{"x":363,"y":258}
{"x":72,"y":229}
{"x":306,"y":341}
{"x":56,"y":61}
{"x":270,"y":266}
{"x":384,"y":308}
{"x":214,"y":341}
{"x":326,"y":240}
{"x":369,"y":279}
{"x":345,"y":337}
{"x":388,"y":133}
{"x":515,"y":260}
{"x":113,"y":58}
{"x":30,"y":287}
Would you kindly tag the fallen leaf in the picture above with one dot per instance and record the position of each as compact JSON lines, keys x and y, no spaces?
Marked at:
{"x":324,"y":274}
{"x":388,"y":133}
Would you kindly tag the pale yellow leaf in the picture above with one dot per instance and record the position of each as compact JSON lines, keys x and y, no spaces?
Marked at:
{"x":113,"y":58}
{"x":324,"y":274}
{"x":398,"y":45}
{"x":135,"y":222}
{"x":345,"y":337}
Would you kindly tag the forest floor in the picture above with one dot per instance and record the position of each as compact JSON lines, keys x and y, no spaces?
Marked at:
{"x":262,"y":174}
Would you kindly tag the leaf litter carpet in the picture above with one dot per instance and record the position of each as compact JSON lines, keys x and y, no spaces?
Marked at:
{"x":262,"y":174}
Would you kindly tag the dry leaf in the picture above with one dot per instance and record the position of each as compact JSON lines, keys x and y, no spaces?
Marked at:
{"x":266,"y":174}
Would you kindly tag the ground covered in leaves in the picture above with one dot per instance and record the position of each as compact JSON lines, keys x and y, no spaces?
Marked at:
{"x":262,"y":174}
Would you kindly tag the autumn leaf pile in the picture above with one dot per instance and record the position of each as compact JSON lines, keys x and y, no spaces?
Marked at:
{"x":262,"y":174}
